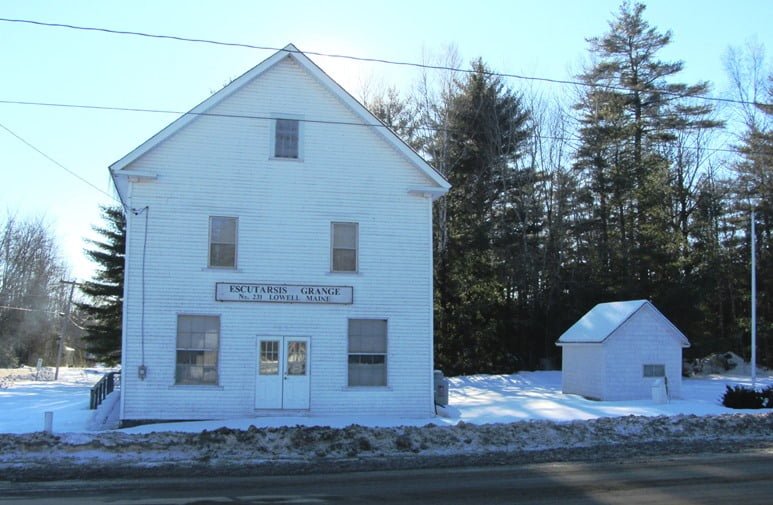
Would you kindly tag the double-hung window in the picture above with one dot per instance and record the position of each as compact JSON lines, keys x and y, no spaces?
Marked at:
{"x":222,"y":241}
{"x":367,"y":352}
{"x":344,"y":247}
{"x":287,"y":133}
{"x":198,"y":340}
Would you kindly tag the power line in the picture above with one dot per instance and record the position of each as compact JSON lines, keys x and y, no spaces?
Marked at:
{"x":259,"y":117}
{"x":24,"y":309}
{"x":52,"y":160}
{"x":77,"y":324}
{"x":177,"y":112}
{"x":367,"y":59}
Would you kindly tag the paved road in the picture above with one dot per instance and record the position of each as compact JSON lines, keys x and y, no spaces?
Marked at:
{"x":743,"y":478}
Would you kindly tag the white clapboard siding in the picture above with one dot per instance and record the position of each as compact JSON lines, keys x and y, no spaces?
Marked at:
{"x":604,"y":353}
{"x":221,"y":166}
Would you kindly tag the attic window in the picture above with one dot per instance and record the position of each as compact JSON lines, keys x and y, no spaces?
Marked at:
{"x":286,"y":138}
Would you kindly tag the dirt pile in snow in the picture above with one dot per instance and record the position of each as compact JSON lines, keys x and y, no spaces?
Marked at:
{"x":227,"y":447}
{"x":9,"y":376}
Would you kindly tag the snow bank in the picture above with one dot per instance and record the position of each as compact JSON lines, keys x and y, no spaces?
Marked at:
{"x":224,"y":448}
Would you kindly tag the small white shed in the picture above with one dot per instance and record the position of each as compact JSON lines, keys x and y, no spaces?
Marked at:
{"x":619,"y":349}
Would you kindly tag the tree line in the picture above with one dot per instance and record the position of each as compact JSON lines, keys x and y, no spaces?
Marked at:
{"x":618,"y":192}
{"x":33,"y":300}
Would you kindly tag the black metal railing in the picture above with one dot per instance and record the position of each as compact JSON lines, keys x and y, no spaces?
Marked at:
{"x":106,"y":385}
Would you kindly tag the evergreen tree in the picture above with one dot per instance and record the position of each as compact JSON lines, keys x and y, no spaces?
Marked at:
{"x":396,"y":113}
{"x":104,"y":313}
{"x":718,"y":275}
{"x":754,"y":189}
{"x":631,"y":118}
{"x":485,"y":136}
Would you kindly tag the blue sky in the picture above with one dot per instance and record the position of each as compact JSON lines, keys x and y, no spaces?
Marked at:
{"x":40,"y":64}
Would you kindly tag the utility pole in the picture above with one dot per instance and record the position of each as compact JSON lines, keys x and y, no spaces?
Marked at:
{"x":65,"y":319}
{"x":754,"y":306}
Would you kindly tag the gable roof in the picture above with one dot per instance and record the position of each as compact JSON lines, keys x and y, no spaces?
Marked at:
{"x":118,"y":169}
{"x":602,"y":320}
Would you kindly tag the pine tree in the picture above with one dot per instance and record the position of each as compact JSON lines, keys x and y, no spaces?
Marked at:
{"x":631,"y":117}
{"x":754,"y":189}
{"x":486,"y":132}
{"x":395,"y":112}
{"x":104,"y":313}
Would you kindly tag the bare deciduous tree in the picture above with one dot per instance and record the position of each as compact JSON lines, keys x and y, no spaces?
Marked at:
{"x":31,"y":298}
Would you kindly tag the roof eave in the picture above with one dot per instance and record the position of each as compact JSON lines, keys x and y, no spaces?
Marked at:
{"x":202,"y":107}
{"x":122,"y":178}
{"x":368,"y":118}
{"x":289,"y":51}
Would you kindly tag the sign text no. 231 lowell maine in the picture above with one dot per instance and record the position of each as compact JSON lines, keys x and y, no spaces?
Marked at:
{"x":282,"y":293}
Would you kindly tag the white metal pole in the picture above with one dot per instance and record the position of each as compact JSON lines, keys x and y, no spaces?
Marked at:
{"x":754,"y":306}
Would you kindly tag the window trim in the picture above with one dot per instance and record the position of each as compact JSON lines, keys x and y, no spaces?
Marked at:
{"x":385,"y":354}
{"x":215,"y":384}
{"x":356,"y":247}
{"x":272,"y":137}
{"x":236,"y":244}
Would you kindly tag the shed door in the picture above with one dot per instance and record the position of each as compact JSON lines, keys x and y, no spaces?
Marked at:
{"x":283,"y":373}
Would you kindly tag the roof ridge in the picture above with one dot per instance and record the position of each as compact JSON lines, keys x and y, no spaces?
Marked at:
{"x":291,"y":51}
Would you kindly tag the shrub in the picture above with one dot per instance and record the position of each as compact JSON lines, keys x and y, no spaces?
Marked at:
{"x":767,"y":397}
{"x":741,"y":397}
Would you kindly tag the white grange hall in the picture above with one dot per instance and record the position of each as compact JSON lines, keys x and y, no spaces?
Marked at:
{"x":278,"y":258}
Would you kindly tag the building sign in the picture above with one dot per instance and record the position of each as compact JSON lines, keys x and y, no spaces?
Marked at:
{"x":282,"y":293}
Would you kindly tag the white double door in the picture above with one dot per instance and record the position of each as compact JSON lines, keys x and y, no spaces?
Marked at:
{"x":283,"y":373}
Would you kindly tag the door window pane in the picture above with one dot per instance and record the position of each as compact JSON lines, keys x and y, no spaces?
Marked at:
{"x":296,"y":358}
{"x":269,"y":357}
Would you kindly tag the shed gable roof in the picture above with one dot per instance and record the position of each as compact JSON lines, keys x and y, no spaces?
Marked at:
{"x":120,"y":170}
{"x":599,"y":323}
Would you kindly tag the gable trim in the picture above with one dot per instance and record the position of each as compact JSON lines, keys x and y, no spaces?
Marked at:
{"x":289,"y":51}
{"x":681,"y":338}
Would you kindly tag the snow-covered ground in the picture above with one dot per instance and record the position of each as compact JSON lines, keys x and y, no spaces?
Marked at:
{"x":24,"y":400}
{"x":477,"y":399}
{"x":519,"y":414}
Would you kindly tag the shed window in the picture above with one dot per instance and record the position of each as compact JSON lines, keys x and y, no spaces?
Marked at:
{"x":367,"y":352}
{"x":654,"y":370}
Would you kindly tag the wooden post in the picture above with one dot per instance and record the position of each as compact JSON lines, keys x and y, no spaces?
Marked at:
{"x":64,"y":326}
